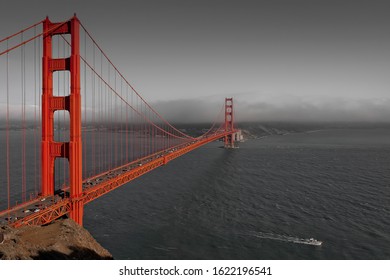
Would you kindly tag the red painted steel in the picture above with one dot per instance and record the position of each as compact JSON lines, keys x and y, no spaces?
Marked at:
{"x":65,"y":206}
{"x":229,"y":139}
{"x":47,"y":160}
{"x":75,"y":145}
{"x":47,"y":215}
{"x":49,"y":206}
{"x":50,"y":150}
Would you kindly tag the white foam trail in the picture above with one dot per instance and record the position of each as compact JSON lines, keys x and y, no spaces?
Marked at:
{"x":286,"y":238}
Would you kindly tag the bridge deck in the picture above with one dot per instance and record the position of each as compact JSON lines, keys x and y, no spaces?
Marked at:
{"x":43,"y":210}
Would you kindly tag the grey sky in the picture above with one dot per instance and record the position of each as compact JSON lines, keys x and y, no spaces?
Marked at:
{"x":280,"y":59}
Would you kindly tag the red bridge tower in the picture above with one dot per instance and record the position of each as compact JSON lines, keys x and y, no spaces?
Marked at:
{"x":229,"y":139}
{"x":51,"y":149}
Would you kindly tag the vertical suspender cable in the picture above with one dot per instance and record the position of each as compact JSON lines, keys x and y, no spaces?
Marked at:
{"x":107,"y":140}
{"x":139,"y":154}
{"x":115,"y":123}
{"x":108,"y":119}
{"x":105,"y":147}
{"x":110,"y":112}
{"x":127,"y":123}
{"x":84,"y":92}
{"x":35,"y":115}
{"x":143,"y":130}
{"x":7,"y":133}
{"x":93,"y":111}
{"x":23,"y":122}
{"x":120,"y":127}
{"x":39,"y":105}
{"x":121,"y":122}
{"x":132,"y":128}
{"x":100,"y":117}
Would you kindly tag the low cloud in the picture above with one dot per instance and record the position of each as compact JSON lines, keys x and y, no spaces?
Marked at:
{"x":292,"y":109}
{"x":295,"y":110}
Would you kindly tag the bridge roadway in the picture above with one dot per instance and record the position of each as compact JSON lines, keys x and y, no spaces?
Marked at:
{"x":43,"y":210}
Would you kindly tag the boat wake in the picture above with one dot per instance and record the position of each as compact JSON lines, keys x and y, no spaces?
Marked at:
{"x":286,"y":238}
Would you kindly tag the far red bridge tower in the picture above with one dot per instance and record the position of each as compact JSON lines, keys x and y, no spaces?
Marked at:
{"x":229,"y":139}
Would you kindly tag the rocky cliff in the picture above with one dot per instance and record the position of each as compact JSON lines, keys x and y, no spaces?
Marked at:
{"x":62,"y":239}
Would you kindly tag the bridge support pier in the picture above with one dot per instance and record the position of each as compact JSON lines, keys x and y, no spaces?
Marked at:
{"x":77,"y":211}
{"x":51,"y":149}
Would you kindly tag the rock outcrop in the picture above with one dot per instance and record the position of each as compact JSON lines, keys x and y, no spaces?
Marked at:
{"x":62,"y":239}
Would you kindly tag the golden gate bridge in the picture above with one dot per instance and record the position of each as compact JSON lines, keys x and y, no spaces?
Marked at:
{"x":73,"y":127}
